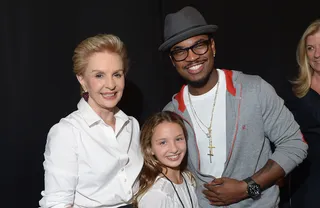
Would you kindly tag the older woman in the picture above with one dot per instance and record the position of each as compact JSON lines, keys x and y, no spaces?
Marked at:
{"x":305,"y":181}
{"x":92,"y":156}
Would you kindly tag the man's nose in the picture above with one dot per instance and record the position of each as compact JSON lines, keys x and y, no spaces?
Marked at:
{"x":191,"y":55}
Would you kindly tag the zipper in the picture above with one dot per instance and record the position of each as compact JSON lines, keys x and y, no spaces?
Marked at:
{"x":235,"y":133}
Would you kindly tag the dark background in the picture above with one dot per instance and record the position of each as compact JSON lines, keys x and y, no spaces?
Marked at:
{"x":39,"y":87}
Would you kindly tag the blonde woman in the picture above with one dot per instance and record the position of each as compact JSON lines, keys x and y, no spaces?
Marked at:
{"x":305,"y":180}
{"x":92,"y":156}
{"x":308,"y":58}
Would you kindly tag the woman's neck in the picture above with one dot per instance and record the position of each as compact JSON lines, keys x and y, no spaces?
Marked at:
{"x":109,"y":119}
{"x":315,"y":82}
{"x":107,"y":115}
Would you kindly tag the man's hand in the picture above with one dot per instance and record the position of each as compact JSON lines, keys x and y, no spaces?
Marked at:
{"x":225,"y":191}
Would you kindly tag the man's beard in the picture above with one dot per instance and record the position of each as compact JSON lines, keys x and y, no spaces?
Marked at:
{"x":201,"y":82}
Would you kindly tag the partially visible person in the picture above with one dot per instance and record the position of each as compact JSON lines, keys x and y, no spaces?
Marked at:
{"x":232,"y":120}
{"x":92,"y":156}
{"x":305,"y":181}
{"x":164,"y":180}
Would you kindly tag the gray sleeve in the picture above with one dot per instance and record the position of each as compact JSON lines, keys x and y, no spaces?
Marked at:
{"x":281,"y":129}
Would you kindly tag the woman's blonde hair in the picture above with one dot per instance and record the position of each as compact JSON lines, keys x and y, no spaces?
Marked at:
{"x":95,"y":44}
{"x":152,"y":167}
{"x":302,"y":83}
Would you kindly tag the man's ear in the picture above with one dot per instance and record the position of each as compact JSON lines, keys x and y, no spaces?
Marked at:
{"x":213,"y":45}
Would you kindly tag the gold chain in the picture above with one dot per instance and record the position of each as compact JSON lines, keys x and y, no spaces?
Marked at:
{"x":209,"y":135}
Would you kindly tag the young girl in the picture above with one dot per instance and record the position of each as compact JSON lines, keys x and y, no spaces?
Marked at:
{"x":164,"y":181}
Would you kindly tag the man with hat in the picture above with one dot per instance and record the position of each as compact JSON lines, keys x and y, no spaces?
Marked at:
{"x":232,"y":119}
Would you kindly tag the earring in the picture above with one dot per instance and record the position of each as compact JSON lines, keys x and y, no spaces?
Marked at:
{"x":214,"y":54}
{"x":85,"y":96}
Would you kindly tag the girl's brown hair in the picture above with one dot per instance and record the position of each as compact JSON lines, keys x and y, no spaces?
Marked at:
{"x":152,"y":167}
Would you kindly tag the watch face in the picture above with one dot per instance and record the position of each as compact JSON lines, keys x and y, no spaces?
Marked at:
{"x":254,"y":190}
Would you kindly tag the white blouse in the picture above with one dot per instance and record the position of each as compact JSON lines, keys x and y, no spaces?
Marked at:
{"x":88,"y":164}
{"x":163,"y":195}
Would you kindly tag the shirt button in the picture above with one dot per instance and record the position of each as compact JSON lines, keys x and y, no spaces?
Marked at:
{"x":122,"y":169}
{"x":129,"y":192}
{"x":125,"y":180}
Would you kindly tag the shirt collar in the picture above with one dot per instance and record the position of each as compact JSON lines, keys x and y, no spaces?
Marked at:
{"x":229,"y":83}
{"x":91,"y":117}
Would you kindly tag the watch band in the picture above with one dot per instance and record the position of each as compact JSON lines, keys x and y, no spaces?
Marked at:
{"x":253,"y":189}
{"x":249,"y":180}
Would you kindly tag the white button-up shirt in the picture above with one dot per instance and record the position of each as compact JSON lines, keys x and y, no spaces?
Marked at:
{"x":88,"y":164}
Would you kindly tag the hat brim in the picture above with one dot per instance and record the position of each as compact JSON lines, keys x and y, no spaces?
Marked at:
{"x":206,"y":29}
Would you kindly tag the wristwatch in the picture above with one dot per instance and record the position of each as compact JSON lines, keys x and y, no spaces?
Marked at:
{"x":253,"y":189}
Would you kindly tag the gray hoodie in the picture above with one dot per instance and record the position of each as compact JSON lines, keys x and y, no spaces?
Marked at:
{"x":256,"y":117}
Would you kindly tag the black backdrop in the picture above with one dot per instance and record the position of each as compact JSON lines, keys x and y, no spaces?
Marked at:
{"x":39,"y":88}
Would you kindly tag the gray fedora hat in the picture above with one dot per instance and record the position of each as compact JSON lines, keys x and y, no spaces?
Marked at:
{"x":185,"y":23}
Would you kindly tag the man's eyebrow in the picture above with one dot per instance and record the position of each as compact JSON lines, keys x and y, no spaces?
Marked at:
{"x":200,"y":40}
{"x":177,"y":47}
{"x":180,"y":47}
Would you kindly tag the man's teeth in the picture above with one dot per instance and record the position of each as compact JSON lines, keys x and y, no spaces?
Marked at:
{"x":195,"y":67}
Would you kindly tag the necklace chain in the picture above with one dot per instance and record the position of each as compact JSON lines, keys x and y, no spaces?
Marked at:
{"x":209,"y":129}
{"x":177,"y":191}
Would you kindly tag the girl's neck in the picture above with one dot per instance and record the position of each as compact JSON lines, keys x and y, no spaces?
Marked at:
{"x":174,"y":175}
